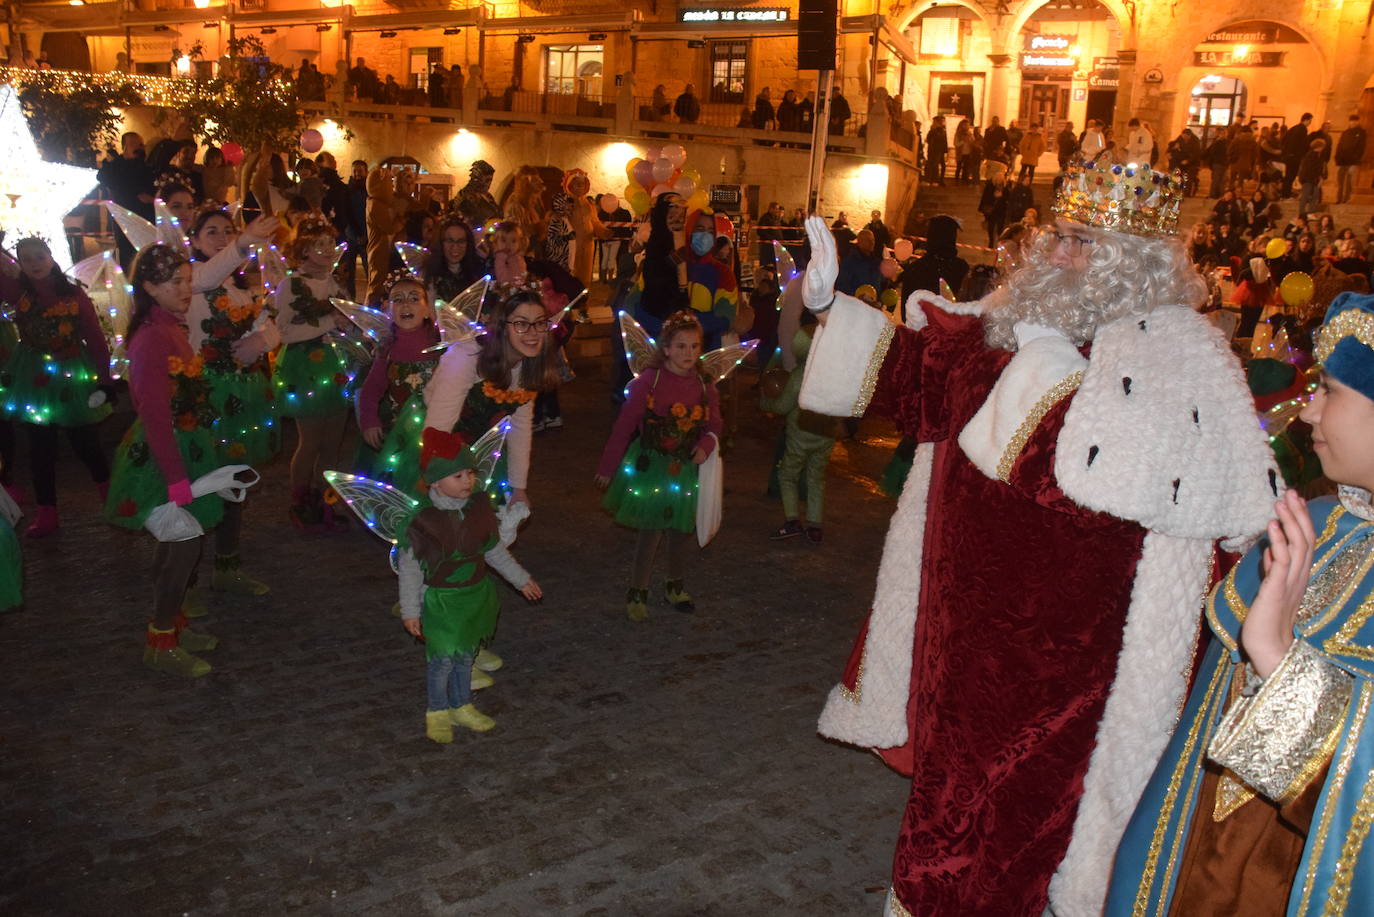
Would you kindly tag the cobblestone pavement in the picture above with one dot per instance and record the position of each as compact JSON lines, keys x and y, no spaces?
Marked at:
{"x":667,"y":768}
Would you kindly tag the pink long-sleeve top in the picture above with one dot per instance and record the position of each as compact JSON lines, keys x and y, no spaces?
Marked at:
{"x":406,"y":347}
{"x":88,"y":325}
{"x":667,"y":388}
{"x":162,"y":336}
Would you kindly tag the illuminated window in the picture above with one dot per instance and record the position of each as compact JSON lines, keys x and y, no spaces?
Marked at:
{"x":573,"y":69}
{"x":728,"y":67}
{"x":939,"y":37}
{"x":422,"y":61}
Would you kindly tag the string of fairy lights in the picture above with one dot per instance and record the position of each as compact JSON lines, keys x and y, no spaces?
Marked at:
{"x":165,"y":91}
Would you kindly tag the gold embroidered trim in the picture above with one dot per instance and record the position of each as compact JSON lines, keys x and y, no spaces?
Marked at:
{"x":1339,"y":896}
{"x":1053,"y":396}
{"x":1342,"y":642}
{"x":1354,"y":323}
{"x":1334,"y":580}
{"x":895,"y":906}
{"x":1316,"y":839}
{"x":855,"y":695}
{"x":875,"y":365}
{"x":1171,"y":798}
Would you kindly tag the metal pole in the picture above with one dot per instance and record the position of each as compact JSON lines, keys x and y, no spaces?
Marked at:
{"x":820,"y":130}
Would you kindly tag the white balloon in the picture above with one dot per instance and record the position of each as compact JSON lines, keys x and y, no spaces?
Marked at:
{"x":663,"y":169}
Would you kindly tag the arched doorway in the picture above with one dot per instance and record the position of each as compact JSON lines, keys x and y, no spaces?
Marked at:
{"x":1067,"y":58}
{"x":952,"y":43}
{"x":1215,"y":103}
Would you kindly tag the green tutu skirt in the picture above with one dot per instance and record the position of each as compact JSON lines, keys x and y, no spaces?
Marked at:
{"x":313,"y":379}
{"x":459,"y":619}
{"x":39,"y":389}
{"x":137,"y":486}
{"x":652,"y":490}
{"x":247,"y":431}
{"x":11,"y":569}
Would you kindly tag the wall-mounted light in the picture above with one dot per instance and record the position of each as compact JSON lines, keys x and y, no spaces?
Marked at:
{"x":452,"y":31}
{"x":524,"y":39}
{"x":696,"y":43}
{"x":597,"y":36}
{"x":183,"y":64}
{"x":162,"y":28}
{"x":268,"y":30}
{"x":323,"y":27}
{"x":388,"y":34}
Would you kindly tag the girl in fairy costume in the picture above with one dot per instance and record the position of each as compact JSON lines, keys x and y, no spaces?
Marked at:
{"x":57,"y":375}
{"x":401,"y":368}
{"x":313,"y":383}
{"x":447,"y":597}
{"x":170,"y":445}
{"x":233,"y":338}
{"x":673,"y":408}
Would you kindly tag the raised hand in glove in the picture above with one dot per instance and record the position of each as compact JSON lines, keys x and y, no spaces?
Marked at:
{"x":818,"y":285}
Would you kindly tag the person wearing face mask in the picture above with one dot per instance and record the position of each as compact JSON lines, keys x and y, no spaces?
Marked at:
{"x":169,"y":446}
{"x":314,"y":382}
{"x":712,"y":290}
{"x":233,"y":337}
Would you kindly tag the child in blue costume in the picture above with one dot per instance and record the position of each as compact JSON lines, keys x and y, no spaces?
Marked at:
{"x":668,"y":426}
{"x":447,"y":597}
{"x":313,"y":381}
{"x":1263,"y":801}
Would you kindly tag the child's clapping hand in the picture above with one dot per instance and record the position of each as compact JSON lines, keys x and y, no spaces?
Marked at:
{"x":531,"y":591}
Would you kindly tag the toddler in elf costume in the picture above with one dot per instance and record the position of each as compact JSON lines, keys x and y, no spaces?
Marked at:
{"x":447,"y":597}
{"x":809,"y":440}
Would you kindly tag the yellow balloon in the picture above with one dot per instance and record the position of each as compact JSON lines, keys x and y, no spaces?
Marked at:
{"x":630,"y":168}
{"x":1276,"y":248}
{"x":867,"y":294}
{"x":693,"y":174}
{"x":698,"y":201}
{"x":1296,"y":288}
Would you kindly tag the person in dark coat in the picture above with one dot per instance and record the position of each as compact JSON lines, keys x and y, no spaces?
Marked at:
{"x":937,"y":148}
{"x":940,"y":262}
{"x":1349,"y":155}
{"x":993,"y":206}
{"x":687,"y":107}
{"x":1294,"y":149}
{"x":764,"y":115}
{"x":129,"y":180}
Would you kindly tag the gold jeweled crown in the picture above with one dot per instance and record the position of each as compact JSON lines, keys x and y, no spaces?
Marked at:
{"x":1122,"y":198}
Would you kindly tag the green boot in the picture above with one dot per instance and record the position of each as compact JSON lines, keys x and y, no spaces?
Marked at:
{"x":677,"y":597}
{"x":229,"y":578}
{"x":637,"y":604}
{"x":193,"y":606}
{"x":163,"y":653}
{"x":469,"y":717}
{"x":196,"y":643}
{"x":438,"y":726}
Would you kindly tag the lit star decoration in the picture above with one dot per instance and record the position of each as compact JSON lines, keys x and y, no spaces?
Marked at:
{"x":35,"y":195}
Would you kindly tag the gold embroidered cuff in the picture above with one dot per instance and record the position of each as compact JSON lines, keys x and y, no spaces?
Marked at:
{"x":1277,"y":740}
{"x":875,"y":365}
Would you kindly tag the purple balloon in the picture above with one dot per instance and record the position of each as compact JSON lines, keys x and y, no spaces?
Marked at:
{"x":644,"y":174}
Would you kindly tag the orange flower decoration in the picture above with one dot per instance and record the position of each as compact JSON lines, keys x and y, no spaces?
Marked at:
{"x":684,"y":425}
{"x":317,"y":355}
{"x":696,"y":412}
{"x":679,"y":410}
{"x":186,"y":421}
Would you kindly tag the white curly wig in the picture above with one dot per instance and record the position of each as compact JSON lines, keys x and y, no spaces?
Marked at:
{"x":1126,"y":275}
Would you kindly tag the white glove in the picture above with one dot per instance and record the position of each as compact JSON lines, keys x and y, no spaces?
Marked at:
{"x":818,"y":285}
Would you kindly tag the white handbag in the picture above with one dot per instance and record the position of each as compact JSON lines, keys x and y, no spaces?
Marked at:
{"x":170,"y":522}
{"x":710,"y":490}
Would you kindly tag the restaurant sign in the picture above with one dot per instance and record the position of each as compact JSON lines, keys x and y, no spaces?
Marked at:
{"x":749,"y":14}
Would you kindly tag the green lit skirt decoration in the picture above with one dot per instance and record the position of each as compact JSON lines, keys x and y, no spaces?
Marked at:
{"x":313,"y":379}
{"x":653,"y":490}
{"x":137,"y":486}
{"x":41,"y":389}
{"x":247,"y":431}
{"x":11,"y":568}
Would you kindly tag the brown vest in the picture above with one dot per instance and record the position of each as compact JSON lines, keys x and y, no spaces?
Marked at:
{"x":443,"y":540}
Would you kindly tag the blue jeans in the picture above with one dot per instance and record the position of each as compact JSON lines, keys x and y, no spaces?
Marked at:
{"x":448,"y":679}
{"x":1309,"y":196}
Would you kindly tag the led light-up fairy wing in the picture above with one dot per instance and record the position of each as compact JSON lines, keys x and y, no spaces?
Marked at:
{"x":487,"y":451}
{"x":786,"y":264}
{"x":413,"y":256}
{"x":459,"y":319}
{"x":558,"y":316}
{"x":275,"y":270}
{"x":1276,"y":420}
{"x":639,"y":346}
{"x":376,"y":325}
{"x":946,"y":292}
{"x":339,"y":251}
{"x":356,"y":348}
{"x":137,"y":230}
{"x":169,"y":229}
{"x":113,"y":298}
{"x":381,"y":507}
{"x":721,"y":362}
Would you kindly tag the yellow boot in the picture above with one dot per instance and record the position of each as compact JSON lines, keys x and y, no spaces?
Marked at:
{"x":438,"y":726}
{"x":488,"y":661}
{"x":469,"y":717}
{"x":162,"y":652}
{"x":481,"y":679}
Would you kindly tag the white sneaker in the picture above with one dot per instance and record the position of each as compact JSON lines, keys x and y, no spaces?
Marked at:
{"x":553,"y":423}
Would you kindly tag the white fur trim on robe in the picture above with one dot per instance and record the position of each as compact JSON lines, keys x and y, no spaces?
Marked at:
{"x":877,"y":717}
{"x":1163,"y":401}
{"x":843,"y":353}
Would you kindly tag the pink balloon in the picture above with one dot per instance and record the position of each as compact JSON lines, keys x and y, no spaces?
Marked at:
{"x":609,"y":203}
{"x":644,"y":174}
{"x":902,"y":249}
{"x":660,"y":189}
{"x":312,"y":141}
{"x":662,"y":169}
{"x":685,"y":186}
{"x":674,"y":153}
{"x":652,"y":153}
{"x":233,"y":153}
